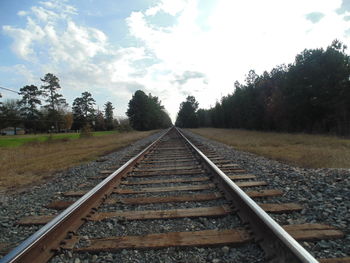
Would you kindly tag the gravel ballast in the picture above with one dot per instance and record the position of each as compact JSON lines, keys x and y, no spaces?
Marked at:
{"x":324,"y":193}
{"x":31,"y":201}
{"x":121,"y":227}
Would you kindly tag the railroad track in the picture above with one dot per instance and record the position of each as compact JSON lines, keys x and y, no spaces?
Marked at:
{"x":166,"y":184}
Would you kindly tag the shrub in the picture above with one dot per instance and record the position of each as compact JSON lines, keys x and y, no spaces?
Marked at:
{"x":124,"y":126}
{"x":86,"y":131}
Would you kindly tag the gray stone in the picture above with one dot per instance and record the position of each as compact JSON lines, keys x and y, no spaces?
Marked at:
{"x":94,"y":258}
{"x":225,"y":249}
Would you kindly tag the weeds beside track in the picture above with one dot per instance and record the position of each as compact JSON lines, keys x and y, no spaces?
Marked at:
{"x":35,"y":161}
{"x":304,"y":150}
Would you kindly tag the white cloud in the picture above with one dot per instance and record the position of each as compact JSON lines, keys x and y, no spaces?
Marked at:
{"x":241,"y":35}
{"x":24,"y":38}
{"x":43,"y":14}
{"x":21,"y":13}
{"x":178,"y":60}
{"x":61,"y":6}
{"x":82,"y":57}
{"x":173,"y":7}
{"x":78,"y":44}
{"x":168,"y":6}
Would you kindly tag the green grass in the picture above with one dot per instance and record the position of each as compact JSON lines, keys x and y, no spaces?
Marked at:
{"x":18,"y":140}
{"x":100,"y":133}
{"x":35,"y":162}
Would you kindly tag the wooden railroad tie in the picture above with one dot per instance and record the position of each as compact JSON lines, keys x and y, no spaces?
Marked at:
{"x":168,"y":199}
{"x":182,"y":172}
{"x":184,"y":180}
{"x":162,"y":181}
{"x":167,"y":169}
{"x":173,"y":161}
{"x":165,"y":189}
{"x":170,"y":165}
{"x":178,"y":239}
{"x":234,"y":237}
{"x":334,"y":260}
{"x":167,"y":159}
{"x":252,"y":194}
{"x":165,"y":214}
{"x":184,"y":188}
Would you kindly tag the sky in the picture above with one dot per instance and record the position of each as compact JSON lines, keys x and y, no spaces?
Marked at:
{"x":169,"y":48}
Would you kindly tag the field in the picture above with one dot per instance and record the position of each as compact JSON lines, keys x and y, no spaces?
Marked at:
{"x":18,"y":140}
{"x":40,"y":158}
{"x":303,"y":150}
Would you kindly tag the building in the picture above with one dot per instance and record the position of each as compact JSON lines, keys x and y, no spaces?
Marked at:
{"x":11,"y":131}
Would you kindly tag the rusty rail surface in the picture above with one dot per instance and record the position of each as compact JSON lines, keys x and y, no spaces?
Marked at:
{"x":278,"y":245}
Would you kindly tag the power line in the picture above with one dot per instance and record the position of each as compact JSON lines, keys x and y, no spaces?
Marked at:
{"x":39,"y":120}
{"x":10,"y":90}
{"x":26,"y":120}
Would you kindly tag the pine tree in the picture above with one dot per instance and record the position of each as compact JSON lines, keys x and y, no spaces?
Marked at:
{"x":83,"y":110}
{"x":53,"y":98}
{"x":186,"y":116}
{"x":29,"y":102}
{"x":146,"y":112}
{"x":109,"y":115}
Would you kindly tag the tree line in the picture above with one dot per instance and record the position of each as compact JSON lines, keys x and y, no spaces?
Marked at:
{"x":145,"y":112}
{"x":43,"y":109}
{"x":187,"y":117}
{"x":310,"y":95}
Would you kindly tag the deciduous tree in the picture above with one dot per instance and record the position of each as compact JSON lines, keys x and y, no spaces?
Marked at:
{"x":10,"y":114}
{"x":68,"y":120}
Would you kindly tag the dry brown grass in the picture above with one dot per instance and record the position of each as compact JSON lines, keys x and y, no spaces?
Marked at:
{"x":304,"y":150}
{"x":36,"y":161}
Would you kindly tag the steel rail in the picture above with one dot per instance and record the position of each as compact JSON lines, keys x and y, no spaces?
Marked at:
{"x":37,"y":244}
{"x":276,"y":242}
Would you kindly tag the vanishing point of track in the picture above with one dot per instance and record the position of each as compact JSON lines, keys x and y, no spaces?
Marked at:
{"x":188,"y":176}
